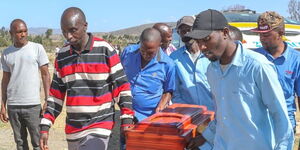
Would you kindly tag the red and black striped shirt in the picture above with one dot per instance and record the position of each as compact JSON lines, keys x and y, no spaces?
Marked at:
{"x":89,"y":82}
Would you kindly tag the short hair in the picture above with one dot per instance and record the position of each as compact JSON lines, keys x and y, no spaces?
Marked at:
{"x":150,"y":35}
{"x":235,"y":33}
{"x":15,"y":21}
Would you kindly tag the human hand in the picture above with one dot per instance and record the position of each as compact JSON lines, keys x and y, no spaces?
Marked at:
{"x":3,"y":115}
{"x":196,"y":142}
{"x":44,"y":141}
{"x":160,"y":107}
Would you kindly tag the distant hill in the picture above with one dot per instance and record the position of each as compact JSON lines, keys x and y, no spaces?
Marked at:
{"x":136,"y":30}
{"x":42,"y":30}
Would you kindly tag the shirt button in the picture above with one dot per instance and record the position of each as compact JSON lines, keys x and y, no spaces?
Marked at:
{"x":222,"y":98}
{"x":224,"y":118}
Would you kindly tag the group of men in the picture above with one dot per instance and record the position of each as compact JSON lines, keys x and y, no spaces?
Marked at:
{"x":252,"y":92}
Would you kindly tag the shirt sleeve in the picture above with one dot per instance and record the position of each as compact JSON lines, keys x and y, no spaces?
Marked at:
{"x":55,"y":101}
{"x":273,"y":97}
{"x":121,"y":88}
{"x":297,"y":81}
{"x":169,"y":84}
{"x":4,"y":65}
{"x":124,"y":54}
{"x":42,"y":56}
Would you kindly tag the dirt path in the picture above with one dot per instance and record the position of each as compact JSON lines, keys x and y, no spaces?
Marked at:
{"x":57,"y":138}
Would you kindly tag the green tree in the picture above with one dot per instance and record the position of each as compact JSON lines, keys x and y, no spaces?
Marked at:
{"x":294,"y":9}
{"x":48,"y":33}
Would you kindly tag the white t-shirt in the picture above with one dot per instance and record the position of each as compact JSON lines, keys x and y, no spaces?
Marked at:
{"x":23,"y":64}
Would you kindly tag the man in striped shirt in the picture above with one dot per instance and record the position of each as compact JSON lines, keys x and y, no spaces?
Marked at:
{"x":88,"y":75}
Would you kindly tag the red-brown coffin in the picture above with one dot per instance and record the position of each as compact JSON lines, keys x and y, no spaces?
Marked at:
{"x":169,"y":129}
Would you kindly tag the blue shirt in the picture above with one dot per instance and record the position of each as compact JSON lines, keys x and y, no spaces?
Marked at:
{"x":288,"y":70}
{"x":128,"y":49}
{"x":149,"y":83}
{"x":191,"y":86}
{"x":251,"y":111}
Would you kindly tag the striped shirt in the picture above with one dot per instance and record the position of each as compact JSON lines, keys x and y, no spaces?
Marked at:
{"x":89,"y":82}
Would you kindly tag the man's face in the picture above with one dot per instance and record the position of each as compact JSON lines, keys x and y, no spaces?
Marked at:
{"x":183,"y":29}
{"x":270,"y":40}
{"x":212,"y":46}
{"x":73,"y":30}
{"x":149,"y":49}
{"x":166,"y":38}
{"x":19,"y":34}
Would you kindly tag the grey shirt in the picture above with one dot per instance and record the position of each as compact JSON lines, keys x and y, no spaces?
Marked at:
{"x":23,"y":64}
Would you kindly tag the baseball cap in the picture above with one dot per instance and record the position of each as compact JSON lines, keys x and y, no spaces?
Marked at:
{"x":188,"y":20}
{"x":268,"y":21}
{"x":206,"y":22}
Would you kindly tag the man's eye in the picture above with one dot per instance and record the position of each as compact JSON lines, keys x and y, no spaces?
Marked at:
{"x":206,"y":39}
{"x":73,"y":30}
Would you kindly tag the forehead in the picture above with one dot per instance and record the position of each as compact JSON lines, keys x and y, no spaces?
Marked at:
{"x":71,"y":21}
{"x":150,"y":44}
{"x":19,"y":26}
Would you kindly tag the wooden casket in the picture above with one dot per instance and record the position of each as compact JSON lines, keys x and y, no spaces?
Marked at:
{"x":170,"y":129}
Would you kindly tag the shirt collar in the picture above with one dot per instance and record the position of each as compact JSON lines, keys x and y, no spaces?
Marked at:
{"x":88,"y":47}
{"x":238,"y":57}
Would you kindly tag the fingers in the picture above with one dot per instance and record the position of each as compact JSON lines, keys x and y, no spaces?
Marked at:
{"x":44,"y":145}
{"x":157,"y":110}
{"x":44,"y":141}
{"x":4,"y":118}
{"x":191,"y":144}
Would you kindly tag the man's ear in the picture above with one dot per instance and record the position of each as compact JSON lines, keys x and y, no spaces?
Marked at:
{"x":226,"y":33}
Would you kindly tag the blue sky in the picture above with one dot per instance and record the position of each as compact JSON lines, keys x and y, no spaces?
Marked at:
{"x":110,"y":15}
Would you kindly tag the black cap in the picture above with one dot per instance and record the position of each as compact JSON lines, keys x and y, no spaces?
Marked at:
{"x":206,"y":22}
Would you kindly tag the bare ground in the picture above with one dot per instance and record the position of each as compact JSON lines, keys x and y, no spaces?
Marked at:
{"x":57,"y":138}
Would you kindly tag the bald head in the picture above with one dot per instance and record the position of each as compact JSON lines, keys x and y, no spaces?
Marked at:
{"x":73,"y":14}
{"x":150,"y":35}
{"x":165,"y":32}
{"x":150,"y":43}
{"x":74,"y":26}
{"x":162,"y":27}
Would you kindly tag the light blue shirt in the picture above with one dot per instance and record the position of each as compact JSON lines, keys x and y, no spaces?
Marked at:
{"x":191,"y":86}
{"x":251,"y":110}
{"x":288,"y":70}
{"x":148,"y":83}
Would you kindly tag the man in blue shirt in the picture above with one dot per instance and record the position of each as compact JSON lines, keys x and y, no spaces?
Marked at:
{"x":151,"y":75}
{"x":286,"y":59}
{"x":191,"y":86}
{"x":166,"y":38}
{"x":250,"y":106}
